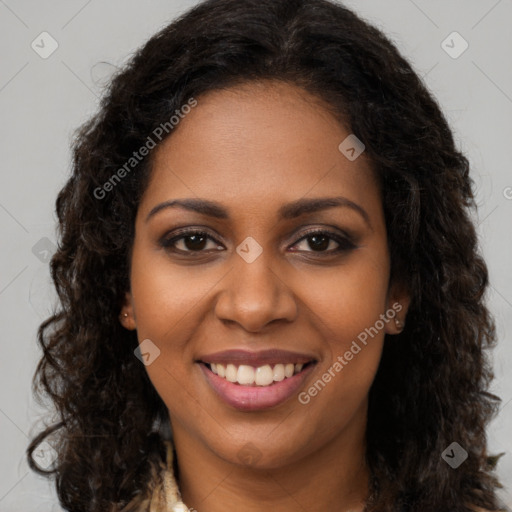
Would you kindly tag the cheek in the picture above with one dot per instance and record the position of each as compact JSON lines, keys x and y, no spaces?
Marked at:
{"x":166,"y":299}
{"x":351,"y":297}
{"x":350,"y":306}
{"x":166,"y":295}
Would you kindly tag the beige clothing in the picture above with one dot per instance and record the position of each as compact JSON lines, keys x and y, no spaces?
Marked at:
{"x":162,"y":494}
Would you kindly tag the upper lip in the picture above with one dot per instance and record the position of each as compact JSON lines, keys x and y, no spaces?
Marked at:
{"x":260,"y":358}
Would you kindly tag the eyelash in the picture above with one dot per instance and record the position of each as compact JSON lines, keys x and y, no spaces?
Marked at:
{"x":345,"y":242}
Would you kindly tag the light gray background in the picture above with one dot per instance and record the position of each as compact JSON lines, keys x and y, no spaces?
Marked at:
{"x":43,"y":100}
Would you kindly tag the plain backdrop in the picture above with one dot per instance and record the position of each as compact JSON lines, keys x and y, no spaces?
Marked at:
{"x":42,"y":100}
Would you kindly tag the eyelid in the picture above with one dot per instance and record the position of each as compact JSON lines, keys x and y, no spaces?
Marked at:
{"x":169,"y":238}
{"x":333,"y":233}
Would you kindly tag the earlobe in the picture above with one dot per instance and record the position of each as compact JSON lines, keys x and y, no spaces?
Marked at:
{"x":399,"y":325}
{"x":398,"y":305}
{"x":127,"y":316}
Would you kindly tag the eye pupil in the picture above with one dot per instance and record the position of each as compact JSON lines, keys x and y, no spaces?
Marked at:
{"x":323,"y":244}
{"x":198,"y":242}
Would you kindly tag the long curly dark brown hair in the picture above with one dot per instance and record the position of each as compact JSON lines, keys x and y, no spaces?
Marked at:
{"x":431,"y":388}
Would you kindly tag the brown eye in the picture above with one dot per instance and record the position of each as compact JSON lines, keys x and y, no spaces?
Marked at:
{"x":191,"y":241}
{"x":194,"y":242}
{"x":320,"y":241}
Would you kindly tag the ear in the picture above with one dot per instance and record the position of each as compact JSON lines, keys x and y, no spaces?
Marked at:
{"x":398,"y":301}
{"x":127,"y":315}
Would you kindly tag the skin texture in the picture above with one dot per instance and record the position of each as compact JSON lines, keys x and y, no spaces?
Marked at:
{"x":253,"y":148}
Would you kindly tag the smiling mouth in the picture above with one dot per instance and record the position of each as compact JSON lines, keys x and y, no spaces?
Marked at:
{"x":261,"y":376}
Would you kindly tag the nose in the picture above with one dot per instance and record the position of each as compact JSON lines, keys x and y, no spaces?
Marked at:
{"x":253,"y":295}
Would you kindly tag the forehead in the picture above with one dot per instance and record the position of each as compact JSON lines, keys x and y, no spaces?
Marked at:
{"x":258,"y":144}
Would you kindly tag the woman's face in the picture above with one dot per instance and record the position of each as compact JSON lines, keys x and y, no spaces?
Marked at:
{"x":252,"y":162}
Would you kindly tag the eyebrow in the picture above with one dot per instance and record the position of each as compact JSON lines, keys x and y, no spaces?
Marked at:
{"x":287,"y":211}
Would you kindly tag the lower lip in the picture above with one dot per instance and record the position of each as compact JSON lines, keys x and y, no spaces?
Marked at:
{"x":255,"y":398}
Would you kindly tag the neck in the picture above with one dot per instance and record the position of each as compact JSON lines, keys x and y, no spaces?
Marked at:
{"x":334,"y":477}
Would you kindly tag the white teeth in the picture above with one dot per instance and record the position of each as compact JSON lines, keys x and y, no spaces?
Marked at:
{"x":289,"y":369}
{"x":245,"y":374}
{"x":231,"y":372}
{"x":262,"y":376}
{"x":279,"y":372}
{"x":221,"y":370}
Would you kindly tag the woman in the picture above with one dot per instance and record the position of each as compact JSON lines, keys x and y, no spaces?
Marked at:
{"x":271,"y":290}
